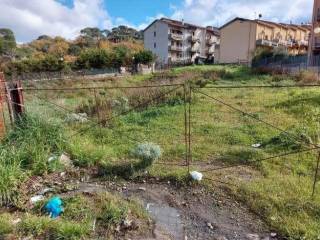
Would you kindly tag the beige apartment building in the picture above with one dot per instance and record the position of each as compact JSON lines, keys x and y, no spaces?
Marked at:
{"x":179,"y":42}
{"x":241,"y":37}
{"x":314,"y":47}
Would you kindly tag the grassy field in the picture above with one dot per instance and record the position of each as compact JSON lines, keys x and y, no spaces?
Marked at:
{"x":278,"y":189}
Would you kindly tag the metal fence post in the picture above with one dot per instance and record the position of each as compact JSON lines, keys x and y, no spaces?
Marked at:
{"x":316,"y":175}
{"x":2,"y":100}
{"x":15,"y":101}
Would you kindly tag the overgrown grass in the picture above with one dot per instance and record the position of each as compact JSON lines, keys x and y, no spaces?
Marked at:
{"x":85,"y":217}
{"x":220,"y":135}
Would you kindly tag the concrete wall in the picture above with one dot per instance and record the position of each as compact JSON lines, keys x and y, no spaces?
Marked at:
{"x":161,"y":40}
{"x":238,"y":42}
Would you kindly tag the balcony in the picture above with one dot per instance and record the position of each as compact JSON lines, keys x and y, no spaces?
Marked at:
{"x":195,"y":49}
{"x":210,"y":41}
{"x":303,"y":43}
{"x":175,"y":48}
{"x":316,"y":44}
{"x":176,"y":36}
{"x":195,"y":39}
{"x":268,"y":43}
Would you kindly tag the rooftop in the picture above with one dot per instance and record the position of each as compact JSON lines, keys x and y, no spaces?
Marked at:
{"x":185,"y":25}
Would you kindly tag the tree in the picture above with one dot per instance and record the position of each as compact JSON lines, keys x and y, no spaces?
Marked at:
{"x":123,"y":33}
{"x":93,"y":58}
{"x":92,"y":36}
{"x":122,"y":56}
{"x":8,"y":41}
{"x":144,"y":57}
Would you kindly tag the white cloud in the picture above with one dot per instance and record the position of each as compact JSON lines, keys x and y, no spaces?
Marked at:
{"x":31,"y":18}
{"x":217,"y":12}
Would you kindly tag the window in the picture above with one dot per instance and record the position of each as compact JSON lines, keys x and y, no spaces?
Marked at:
{"x":155,"y":45}
{"x":155,"y":34}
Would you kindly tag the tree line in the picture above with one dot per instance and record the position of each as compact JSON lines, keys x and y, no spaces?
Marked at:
{"x":92,"y":49}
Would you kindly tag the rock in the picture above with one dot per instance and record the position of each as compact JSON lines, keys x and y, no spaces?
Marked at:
{"x":127,"y":223}
{"x":77,"y":117}
{"x":273,"y":235}
{"x":210,"y":225}
{"x":16,"y":221}
{"x":142,"y":189}
{"x":65,"y":160}
{"x":221,"y":238}
{"x":253,"y":237}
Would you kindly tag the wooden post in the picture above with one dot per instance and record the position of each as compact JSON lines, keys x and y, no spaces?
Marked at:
{"x":15,"y":101}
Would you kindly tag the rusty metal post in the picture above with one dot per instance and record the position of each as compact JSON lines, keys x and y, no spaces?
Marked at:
{"x":316,"y":176}
{"x":16,"y":100}
{"x":189,"y":137}
{"x":2,"y":101}
{"x":186,"y":126}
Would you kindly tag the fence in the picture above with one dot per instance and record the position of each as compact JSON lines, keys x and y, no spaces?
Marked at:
{"x":60,"y":75}
{"x":219,"y":130}
{"x":289,"y":64}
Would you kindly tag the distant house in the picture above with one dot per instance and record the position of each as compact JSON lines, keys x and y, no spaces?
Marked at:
{"x":241,"y":37}
{"x":314,"y":47}
{"x":178,"y":42}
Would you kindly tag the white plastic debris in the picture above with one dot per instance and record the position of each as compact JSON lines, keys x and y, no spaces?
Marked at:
{"x":52,"y":158}
{"x":197,"y":176}
{"x":256,"y":145}
{"x":36,"y":198}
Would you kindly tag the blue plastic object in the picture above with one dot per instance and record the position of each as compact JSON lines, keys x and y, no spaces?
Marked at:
{"x":54,"y":207}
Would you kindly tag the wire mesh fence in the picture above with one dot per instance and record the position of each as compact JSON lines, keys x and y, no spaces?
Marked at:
{"x":105,"y":125}
{"x":268,"y":129}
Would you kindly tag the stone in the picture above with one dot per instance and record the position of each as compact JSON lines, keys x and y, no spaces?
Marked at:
{"x":142,"y":189}
{"x":65,"y":160}
{"x":253,"y":237}
{"x":273,"y":234}
{"x":210,"y":225}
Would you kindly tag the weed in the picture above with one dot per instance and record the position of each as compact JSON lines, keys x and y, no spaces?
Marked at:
{"x":6,"y":226}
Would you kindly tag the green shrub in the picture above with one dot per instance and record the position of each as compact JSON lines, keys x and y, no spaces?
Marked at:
{"x":147,"y":153}
{"x":112,"y":211}
{"x":144,"y":57}
{"x":6,"y":226}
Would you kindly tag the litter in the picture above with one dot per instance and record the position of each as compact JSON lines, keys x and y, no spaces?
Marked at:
{"x":36,"y":199}
{"x":54,"y":207}
{"x":52,"y":158}
{"x":197,"y":176}
{"x":257,"y":145}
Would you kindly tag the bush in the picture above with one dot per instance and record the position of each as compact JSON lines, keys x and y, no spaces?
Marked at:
{"x":93,"y":58}
{"x":147,"y":153}
{"x":144,"y":57}
{"x":306,"y":77}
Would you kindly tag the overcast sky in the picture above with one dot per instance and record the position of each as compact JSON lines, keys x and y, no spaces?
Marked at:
{"x":31,"y":18}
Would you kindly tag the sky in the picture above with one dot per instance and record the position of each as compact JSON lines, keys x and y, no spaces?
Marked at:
{"x":31,"y":18}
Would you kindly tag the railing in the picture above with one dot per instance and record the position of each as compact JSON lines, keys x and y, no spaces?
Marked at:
{"x":175,"y":48}
{"x":195,"y":49}
{"x":210,"y":41}
{"x":176,"y":36}
{"x":195,"y":39}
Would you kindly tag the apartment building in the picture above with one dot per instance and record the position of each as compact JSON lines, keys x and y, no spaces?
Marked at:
{"x":241,"y":37}
{"x":314,"y":46}
{"x":178,"y":42}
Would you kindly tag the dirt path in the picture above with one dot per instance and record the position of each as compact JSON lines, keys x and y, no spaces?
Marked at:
{"x":182,"y":213}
